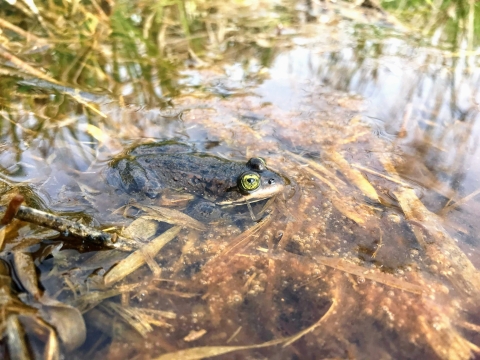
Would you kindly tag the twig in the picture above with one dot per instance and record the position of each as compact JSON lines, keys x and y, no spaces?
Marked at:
{"x":12,"y":209}
{"x":64,"y":226}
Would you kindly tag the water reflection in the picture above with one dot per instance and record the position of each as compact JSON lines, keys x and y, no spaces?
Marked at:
{"x":377,"y":231}
{"x":420,"y":97}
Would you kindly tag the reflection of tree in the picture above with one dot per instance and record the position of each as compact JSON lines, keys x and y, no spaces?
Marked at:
{"x":135,"y":51}
{"x":415,"y":89}
{"x":449,"y":19}
{"x":82,"y":55}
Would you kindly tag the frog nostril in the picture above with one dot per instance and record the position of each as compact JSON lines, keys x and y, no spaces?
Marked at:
{"x":271,"y":181}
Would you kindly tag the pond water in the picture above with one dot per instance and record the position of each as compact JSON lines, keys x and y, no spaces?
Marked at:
{"x":370,"y":115}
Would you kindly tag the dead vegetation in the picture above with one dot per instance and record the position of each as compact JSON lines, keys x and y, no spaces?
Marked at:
{"x":352,"y":261}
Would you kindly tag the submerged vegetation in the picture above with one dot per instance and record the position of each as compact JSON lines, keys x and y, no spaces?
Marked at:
{"x":371,"y":252}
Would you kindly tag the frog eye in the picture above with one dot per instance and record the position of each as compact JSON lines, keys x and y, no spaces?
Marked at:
{"x":257,"y":164}
{"x":248,"y":182}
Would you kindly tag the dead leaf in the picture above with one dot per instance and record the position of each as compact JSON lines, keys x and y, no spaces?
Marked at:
{"x":137,"y":259}
{"x":172,"y":216}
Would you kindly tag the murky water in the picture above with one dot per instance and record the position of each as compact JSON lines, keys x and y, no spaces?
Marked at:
{"x":371,"y":251}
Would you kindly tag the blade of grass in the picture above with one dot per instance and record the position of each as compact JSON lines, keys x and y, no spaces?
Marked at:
{"x":25,"y":67}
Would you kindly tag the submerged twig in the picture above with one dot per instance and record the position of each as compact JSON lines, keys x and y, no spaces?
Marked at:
{"x":64,"y":226}
{"x":12,"y":209}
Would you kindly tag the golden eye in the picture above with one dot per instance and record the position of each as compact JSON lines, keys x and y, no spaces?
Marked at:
{"x":249,"y":181}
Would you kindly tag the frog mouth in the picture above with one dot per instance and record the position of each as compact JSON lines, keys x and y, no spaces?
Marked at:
{"x":261,"y":194}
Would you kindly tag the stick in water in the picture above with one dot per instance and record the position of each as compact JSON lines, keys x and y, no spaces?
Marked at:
{"x":64,"y":226}
{"x":12,"y":209}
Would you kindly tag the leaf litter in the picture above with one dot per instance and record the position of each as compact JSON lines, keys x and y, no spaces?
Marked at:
{"x":321,"y":274}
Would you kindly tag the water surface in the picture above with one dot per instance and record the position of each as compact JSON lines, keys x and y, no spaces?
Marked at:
{"x":371,"y":251}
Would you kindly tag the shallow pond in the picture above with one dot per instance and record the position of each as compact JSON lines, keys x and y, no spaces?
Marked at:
{"x":371,"y":249}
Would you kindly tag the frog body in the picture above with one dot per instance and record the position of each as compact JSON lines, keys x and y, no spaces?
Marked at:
{"x":149,"y":170}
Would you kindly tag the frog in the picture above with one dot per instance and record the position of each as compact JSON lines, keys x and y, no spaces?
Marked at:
{"x":147,"y":171}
